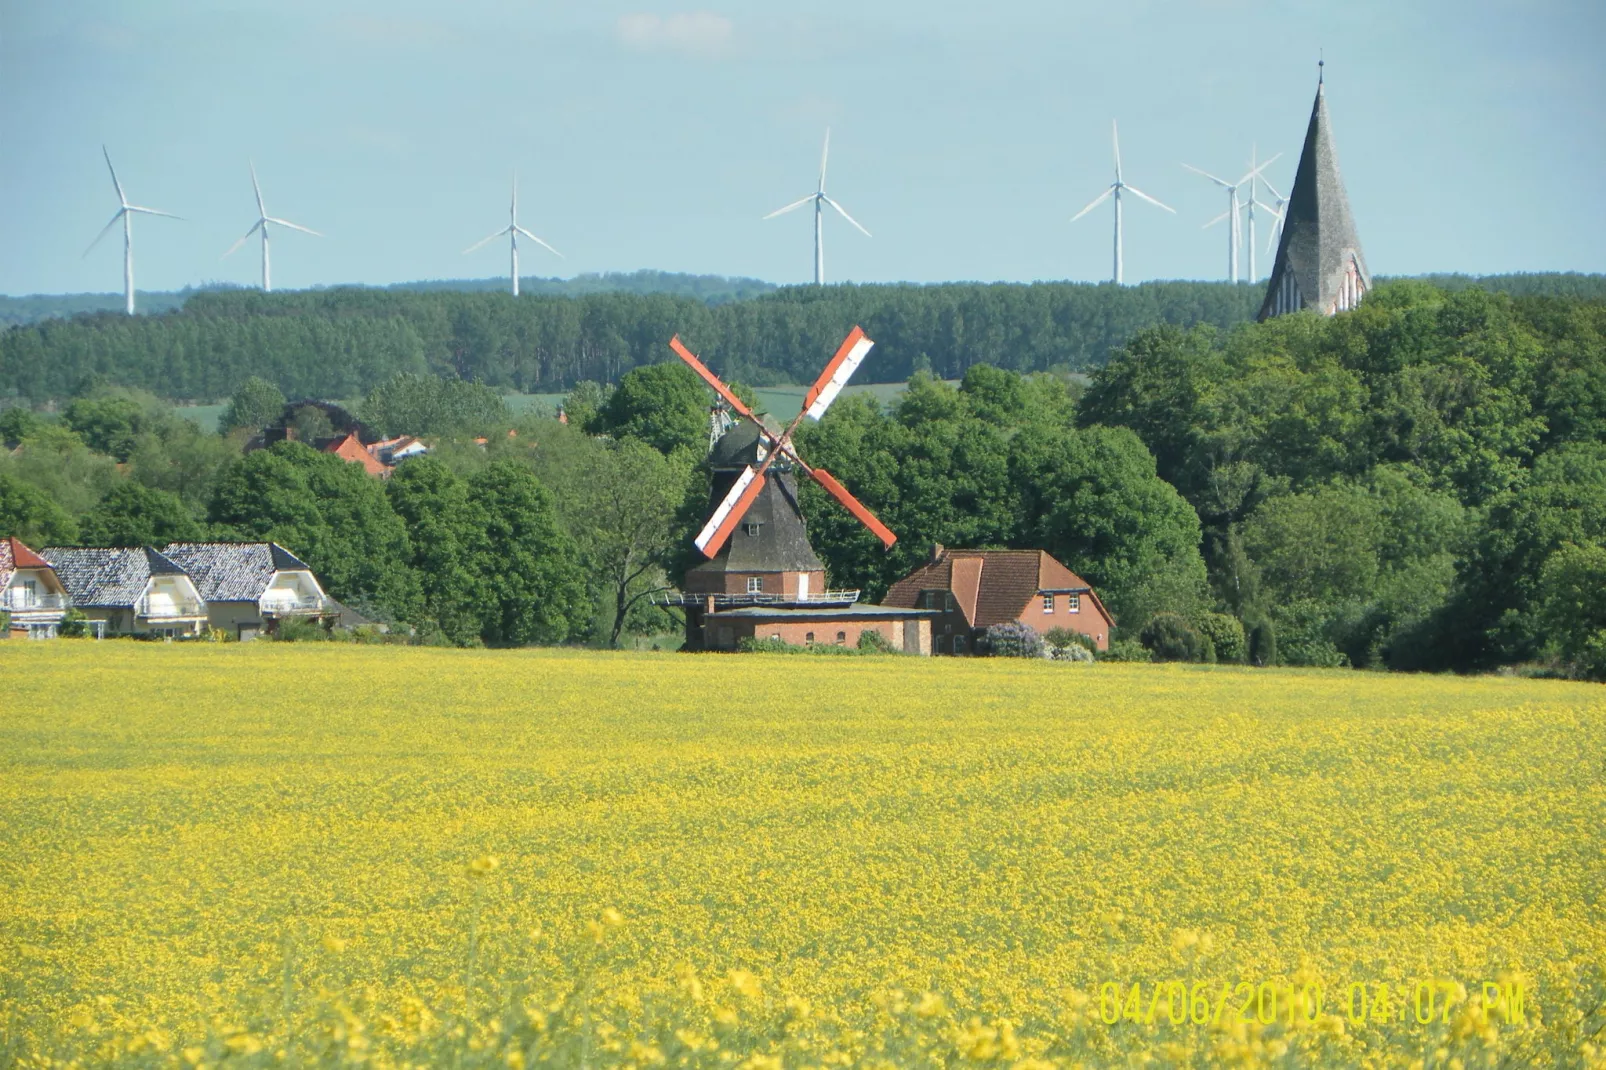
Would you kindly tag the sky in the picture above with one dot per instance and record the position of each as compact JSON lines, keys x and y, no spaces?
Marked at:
{"x":651,"y":134}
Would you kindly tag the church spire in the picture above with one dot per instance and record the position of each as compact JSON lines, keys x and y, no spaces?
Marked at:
{"x":1319,"y":261}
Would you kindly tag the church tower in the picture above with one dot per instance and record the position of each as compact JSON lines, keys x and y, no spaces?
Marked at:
{"x":1319,"y":261}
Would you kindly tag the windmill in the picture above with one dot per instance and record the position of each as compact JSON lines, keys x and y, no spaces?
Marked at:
{"x":263,"y":219}
{"x":1115,"y":189}
{"x":778,"y":449}
{"x":125,"y":214}
{"x":1277,"y":211}
{"x":1234,"y":231}
{"x":513,"y":230}
{"x":820,"y":200}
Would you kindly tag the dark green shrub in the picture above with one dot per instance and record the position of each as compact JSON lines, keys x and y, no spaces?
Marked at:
{"x":1263,"y":644}
{"x":1226,"y":634}
{"x":1126,"y":649}
{"x":1169,"y":638}
{"x":873,"y":642}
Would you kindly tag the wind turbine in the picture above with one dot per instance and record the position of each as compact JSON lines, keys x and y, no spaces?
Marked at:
{"x":263,"y":219}
{"x":1277,"y":211}
{"x":820,"y":200}
{"x":1234,"y":233}
{"x":513,"y":230}
{"x":1254,"y":201}
{"x":125,"y":213}
{"x":1115,"y":189}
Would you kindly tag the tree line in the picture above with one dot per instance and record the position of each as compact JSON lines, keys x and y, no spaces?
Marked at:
{"x":1419,"y":484}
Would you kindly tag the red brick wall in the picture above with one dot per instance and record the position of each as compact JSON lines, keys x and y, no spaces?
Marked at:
{"x":784,"y":583}
{"x":824,"y":632}
{"x":1089,"y":621}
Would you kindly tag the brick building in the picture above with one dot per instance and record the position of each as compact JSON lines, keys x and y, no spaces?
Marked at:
{"x":970,"y":590}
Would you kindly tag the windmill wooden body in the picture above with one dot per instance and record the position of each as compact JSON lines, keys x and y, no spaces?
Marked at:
{"x":760,"y":577}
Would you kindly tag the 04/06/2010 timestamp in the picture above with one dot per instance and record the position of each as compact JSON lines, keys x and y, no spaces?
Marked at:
{"x":1214,"y":1002}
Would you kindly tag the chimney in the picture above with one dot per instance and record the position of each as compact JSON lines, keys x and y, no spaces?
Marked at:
{"x":937,"y":550}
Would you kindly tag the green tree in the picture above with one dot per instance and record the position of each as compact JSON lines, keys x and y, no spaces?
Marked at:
{"x":255,"y":404}
{"x":415,"y":404}
{"x":134,"y":515}
{"x":1572,"y":610}
{"x":446,"y":532}
{"x":107,"y":422}
{"x":664,"y":405}
{"x":536,"y":588}
{"x":29,"y":513}
{"x":16,"y":423}
{"x":328,"y":513}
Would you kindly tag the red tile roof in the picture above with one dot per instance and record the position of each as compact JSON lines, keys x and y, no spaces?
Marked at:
{"x":350,"y":448}
{"x":991,"y":586}
{"x":21,"y":556}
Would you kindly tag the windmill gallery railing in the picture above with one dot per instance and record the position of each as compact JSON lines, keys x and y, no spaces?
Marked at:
{"x":756,"y":598}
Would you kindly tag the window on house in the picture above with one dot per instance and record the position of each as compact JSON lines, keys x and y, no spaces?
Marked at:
{"x":959,"y":644}
{"x":931,"y":599}
{"x":755,"y":585}
{"x":1076,"y":603}
{"x":1048,"y":603}
{"x":946,"y":628}
{"x":948,"y":601}
{"x":750,"y":529}
{"x":841,"y":638}
{"x":775,"y":637}
{"x":808,"y":637}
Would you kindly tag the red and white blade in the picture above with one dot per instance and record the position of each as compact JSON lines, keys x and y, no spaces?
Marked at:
{"x":854,"y":506}
{"x":837,"y":373}
{"x":710,"y":378}
{"x":730,"y":512}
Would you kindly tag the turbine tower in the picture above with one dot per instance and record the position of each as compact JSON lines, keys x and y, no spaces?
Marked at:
{"x":1115,"y":189}
{"x":1254,"y":201}
{"x":263,"y":219}
{"x":1234,"y":230}
{"x":125,"y":213}
{"x":820,"y":200}
{"x":1277,"y":210}
{"x":513,"y":230}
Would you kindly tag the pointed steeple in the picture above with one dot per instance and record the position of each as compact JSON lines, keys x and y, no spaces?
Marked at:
{"x":1319,"y":261}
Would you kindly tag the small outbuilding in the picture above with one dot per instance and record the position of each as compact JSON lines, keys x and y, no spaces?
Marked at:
{"x":971,"y":590}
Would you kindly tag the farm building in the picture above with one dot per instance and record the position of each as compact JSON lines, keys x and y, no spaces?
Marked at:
{"x":970,"y":590}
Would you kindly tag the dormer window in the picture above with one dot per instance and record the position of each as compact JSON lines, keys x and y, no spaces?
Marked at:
{"x":750,"y":530}
{"x":755,"y":585}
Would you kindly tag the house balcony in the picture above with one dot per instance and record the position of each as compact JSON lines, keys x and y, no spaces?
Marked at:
{"x":299,"y":607}
{"x":30,"y":602}
{"x":757,"y":598}
{"x":169,"y":609}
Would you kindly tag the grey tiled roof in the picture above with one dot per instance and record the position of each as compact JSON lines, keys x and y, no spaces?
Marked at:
{"x":1319,"y":237}
{"x":782,"y":542}
{"x":233,"y":571}
{"x":109,"y":578}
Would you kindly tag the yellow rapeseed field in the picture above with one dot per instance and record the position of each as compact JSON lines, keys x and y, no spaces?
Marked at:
{"x":297,"y":854}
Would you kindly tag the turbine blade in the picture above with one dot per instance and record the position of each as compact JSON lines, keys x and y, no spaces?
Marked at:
{"x":824,"y":152}
{"x":151,"y":211}
{"x":257,"y":189}
{"x":1100,"y":199}
{"x":1268,"y":208}
{"x":1223,"y":183}
{"x":1271,"y":187}
{"x":292,"y":226}
{"x":120,"y":198}
{"x":539,"y":242}
{"x":1216,"y":220}
{"x":844,"y":213}
{"x":487,"y":238}
{"x":854,"y":506}
{"x":711,"y":379}
{"x":800,"y":202}
{"x":1276,"y":232}
{"x":1115,"y":139}
{"x":1253,"y":171}
{"x":1151,"y":200}
{"x":243,"y":239}
{"x":849,"y":355}
{"x":105,"y":231}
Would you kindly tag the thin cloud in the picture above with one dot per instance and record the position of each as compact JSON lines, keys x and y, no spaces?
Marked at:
{"x":692,"y":33}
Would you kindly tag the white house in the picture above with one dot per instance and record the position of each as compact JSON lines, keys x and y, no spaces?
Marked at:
{"x":136,"y":591}
{"x":250,"y":586}
{"x":31,"y":594}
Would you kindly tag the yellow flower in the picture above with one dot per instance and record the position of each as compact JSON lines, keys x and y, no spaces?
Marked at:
{"x":745,"y":983}
{"x":484,"y":866}
{"x":334,"y":944}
